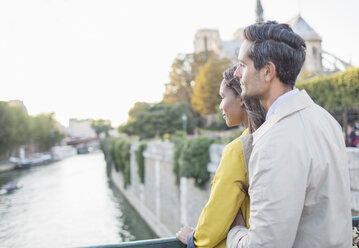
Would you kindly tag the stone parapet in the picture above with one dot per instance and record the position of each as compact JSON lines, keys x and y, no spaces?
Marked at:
{"x":159,"y":150}
{"x":167,"y":205}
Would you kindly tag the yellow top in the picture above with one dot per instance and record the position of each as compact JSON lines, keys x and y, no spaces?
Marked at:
{"x":226,"y":198}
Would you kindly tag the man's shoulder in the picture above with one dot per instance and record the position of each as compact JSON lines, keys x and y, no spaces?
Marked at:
{"x":296,"y":117}
{"x":298,"y":126}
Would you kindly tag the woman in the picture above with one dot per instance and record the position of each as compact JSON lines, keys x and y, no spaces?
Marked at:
{"x":229,"y":186}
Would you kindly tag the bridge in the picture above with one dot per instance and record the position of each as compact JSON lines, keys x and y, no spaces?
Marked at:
{"x":84,"y":145}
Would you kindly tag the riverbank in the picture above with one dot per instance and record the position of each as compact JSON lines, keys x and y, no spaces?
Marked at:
{"x":57,"y":153}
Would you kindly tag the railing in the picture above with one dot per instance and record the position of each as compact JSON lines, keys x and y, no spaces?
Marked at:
{"x":167,"y":242}
{"x":151,"y":243}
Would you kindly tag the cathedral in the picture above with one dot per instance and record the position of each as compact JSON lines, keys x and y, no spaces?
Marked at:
{"x":210,"y":40}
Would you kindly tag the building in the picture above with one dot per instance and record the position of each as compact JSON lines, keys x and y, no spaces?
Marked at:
{"x":210,"y":40}
{"x":80,"y":129}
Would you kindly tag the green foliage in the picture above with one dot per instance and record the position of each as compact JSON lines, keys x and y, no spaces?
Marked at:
{"x":140,"y":160}
{"x":207,"y":83}
{"x":101,"y":126}
{"x":120,"y":156}
{"x":44,"y":131}
{"x":138,"y":109}
{"x":155,"y":120}
{"x":338,"y":91}
{"x":15,"y":128}
{"x":18,"y":128}
{"x":185,"y":67}
{"x":195,"y":157}
{"x":105,"y":148}
{"x":179,"y":140}
{"x":309,"y":75}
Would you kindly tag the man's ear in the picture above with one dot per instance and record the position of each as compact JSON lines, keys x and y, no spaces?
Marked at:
{"x":269,"y":71}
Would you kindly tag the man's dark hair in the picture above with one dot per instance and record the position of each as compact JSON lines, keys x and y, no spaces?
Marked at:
{"x":279,"y":44}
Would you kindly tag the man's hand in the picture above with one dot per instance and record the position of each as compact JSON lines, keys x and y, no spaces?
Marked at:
{"x":239,"y":220}
{"x":183,"y":233}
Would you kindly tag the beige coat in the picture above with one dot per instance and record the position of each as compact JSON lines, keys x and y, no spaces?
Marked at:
{"x":298,"y":181}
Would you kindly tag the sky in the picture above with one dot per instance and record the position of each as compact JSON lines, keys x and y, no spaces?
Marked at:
{"x":95,"y":59}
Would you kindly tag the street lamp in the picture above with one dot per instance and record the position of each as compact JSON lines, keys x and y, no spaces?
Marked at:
{"x":184,"y":122}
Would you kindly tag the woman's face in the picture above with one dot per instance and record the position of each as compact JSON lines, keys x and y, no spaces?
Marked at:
{"x":232,"y":106}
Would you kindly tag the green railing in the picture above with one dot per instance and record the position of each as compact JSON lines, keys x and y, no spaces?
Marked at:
{"x":151,"y":243}
{"x":166,"y":242}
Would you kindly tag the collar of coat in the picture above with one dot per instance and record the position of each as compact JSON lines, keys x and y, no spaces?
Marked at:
{"x":299,"y":101}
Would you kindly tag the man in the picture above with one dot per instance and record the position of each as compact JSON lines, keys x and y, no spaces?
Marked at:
{"x":298,"y":174}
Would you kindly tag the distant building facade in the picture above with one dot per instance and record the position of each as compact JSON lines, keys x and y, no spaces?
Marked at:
{"x":210,"y":40}
{"x":80,"y":129}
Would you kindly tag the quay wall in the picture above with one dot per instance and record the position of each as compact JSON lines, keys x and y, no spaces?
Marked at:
{"x":167,"y":205}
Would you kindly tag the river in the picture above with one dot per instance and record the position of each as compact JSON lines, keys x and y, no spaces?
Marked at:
{"x":69,"y":203}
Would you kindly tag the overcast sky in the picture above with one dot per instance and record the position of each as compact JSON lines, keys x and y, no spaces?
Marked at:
{"x":95,"y":59}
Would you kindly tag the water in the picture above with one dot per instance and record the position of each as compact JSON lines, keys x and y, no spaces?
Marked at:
{"x":69,"y":203}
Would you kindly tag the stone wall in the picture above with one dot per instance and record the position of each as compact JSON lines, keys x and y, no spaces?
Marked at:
{"x":167,"y":205}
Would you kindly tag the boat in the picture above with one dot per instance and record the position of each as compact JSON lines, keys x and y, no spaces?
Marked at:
{"x":32,"y":160}
{"x":10,"y":188}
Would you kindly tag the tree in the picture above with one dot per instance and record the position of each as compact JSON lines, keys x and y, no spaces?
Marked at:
{"x":185,"y":67}
{"x":205,"y":92}
{"x":44,"y":131}
{"x":137,"y":109}
{"x":101,"y":126}
{"x":14,"y":131}
{"x":21,"y":126}
{"x":151,"y":120}
{"x":18,"y":128}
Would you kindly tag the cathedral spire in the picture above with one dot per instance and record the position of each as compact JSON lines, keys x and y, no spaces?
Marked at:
{"x":259,"y":12}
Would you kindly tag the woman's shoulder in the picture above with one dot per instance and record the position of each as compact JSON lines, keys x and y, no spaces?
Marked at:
{"x":236,"y":144}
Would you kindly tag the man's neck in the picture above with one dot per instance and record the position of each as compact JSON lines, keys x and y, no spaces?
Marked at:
{"x":276,"y":90}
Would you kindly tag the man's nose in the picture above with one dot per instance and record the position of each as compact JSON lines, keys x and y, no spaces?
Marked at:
{"x":237,"y":73}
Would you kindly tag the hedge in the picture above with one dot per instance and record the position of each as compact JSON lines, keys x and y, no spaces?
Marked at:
{"x":337,"y":91}
{"x":120,"y":155}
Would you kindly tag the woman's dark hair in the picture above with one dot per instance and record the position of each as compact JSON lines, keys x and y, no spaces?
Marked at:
{"x":256,"y":113}
{"x":231,"y":81}
{"x":279,"y":44}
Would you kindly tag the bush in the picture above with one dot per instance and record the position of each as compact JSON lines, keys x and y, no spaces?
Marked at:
{"x":105,"y":148}
{"x":195,"y":157}
{"x":120,"y":155}
{"x":179,"y":140}
{"x":141,"y":160}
